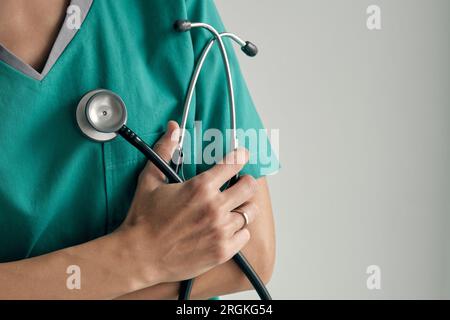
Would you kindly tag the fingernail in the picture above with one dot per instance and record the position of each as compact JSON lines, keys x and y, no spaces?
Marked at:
{"x":172,"y":127}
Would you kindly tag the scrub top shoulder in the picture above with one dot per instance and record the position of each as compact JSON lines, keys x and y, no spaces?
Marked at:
{"x":58,"y":188}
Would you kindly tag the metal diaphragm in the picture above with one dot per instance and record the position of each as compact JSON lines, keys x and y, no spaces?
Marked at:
{"x":101,"y":114}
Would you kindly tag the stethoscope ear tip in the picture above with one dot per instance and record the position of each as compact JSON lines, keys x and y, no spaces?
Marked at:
{"x":182,"y":25}
{"x":250,"y":49}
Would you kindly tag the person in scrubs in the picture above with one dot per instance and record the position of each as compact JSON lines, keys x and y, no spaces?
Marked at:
{"x":70,"y":206}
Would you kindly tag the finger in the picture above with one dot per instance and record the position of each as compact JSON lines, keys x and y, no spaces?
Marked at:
{"x":237,"y":217}
{"x":165,"y":148}
{"x":227,"y":168}
{"x":240,"y":192}
{"x":239,"y":241}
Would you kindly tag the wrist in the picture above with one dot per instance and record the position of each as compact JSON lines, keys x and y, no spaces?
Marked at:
{"x":139,"y":262}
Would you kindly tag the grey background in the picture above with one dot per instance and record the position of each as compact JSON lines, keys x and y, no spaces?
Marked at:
{"x":365,"y":126}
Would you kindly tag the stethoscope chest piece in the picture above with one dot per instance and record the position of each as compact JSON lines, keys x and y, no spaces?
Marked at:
{"x":101,"y":114}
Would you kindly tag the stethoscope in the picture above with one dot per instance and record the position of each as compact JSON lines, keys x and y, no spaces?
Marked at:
{"x":102,"y":117}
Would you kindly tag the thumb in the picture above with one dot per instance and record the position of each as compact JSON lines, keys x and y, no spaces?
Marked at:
{"x":165,"y":147}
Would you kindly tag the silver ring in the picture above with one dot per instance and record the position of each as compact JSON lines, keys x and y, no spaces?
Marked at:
{"x":245,"y":215}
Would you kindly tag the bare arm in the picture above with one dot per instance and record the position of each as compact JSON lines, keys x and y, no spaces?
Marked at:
{"x":154,"y":245}
{"x":228,"y":278}
{"x":105,"y":273}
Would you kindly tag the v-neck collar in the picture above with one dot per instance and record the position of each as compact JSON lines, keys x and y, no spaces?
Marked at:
{"x":64,"y":38}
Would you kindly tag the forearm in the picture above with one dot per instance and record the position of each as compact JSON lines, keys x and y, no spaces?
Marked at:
{"x":222,"y":280}
{"x":105,"y":273}
{"x":228,"y":278}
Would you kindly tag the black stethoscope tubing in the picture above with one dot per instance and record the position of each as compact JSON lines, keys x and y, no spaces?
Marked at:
{"x":173,"y":177}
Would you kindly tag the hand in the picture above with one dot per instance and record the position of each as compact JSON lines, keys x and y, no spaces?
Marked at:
{"x":180,"y":231}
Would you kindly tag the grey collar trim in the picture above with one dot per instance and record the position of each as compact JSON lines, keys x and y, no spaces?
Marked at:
{"x":64,"y":38}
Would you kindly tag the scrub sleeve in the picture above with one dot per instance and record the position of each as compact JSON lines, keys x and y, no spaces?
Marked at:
{"x":211,"y":106}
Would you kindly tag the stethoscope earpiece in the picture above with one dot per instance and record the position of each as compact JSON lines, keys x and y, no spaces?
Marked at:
{"x":250,"y":49}
{"x":182,"y":25}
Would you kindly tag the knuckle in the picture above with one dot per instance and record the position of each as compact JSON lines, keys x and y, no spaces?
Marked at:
{"x":165,"y":151}
{"x":238,"y":222}
{"x":219,"y":235}
{"x":162,"y":147}
{"x":201,"y":186}
{"x":221,"y":253}
{"x":205,"y":189}
{"x":204,"y":177}
{"x":220,"y":207}
{"x":144,"y":179}
{"x":198,"y":193}
{"x":250,"y":184}
{"x":194,"y":184}
{"x":214,"y":205}
{"x":254,"y":208}
{"x":211,"y":208}
{"x":246,"y":235}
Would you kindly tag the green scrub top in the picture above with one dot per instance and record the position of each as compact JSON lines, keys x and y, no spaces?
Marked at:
{"x":59,"y":189}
